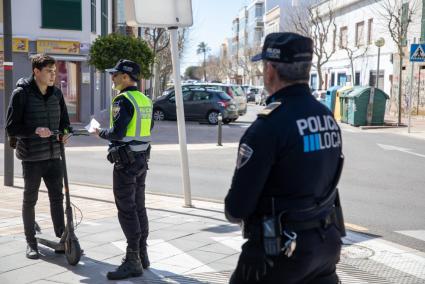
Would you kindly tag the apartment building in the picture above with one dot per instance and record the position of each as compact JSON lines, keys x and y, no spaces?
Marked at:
{"x":65,"y":30}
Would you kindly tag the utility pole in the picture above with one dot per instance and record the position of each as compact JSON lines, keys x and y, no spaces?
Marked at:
{"x":8,"y":86}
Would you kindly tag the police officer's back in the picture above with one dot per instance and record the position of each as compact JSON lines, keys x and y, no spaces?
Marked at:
{"x":129,"y":136}
{"x":287,"y":169}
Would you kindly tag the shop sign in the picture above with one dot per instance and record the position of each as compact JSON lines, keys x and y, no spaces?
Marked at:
{"x":58,"y":47}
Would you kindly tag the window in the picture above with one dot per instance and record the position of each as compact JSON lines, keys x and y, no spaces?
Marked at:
{"x":360,"y":34}
{"x":357,"y":79}
{"x":61,"y":14}
{"x":93,"y":16}
{"x":104,"y":17}
{"x":369,"y":31}
{"x":187,"y":96}
{"x":343,"y":37}
{"x":259,"y":10}
{"x":334,"y":41}
{"x":342,"y":79}
{"x":201,"y":96}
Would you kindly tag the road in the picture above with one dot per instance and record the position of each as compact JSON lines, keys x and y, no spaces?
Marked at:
{"x":382,"y":185}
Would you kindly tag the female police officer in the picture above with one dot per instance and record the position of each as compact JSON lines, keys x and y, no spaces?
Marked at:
{"x":283,"y":188}
{"x":129,"y":136}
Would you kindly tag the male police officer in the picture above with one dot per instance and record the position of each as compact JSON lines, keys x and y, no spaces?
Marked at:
{"x":129,"y":136}
{"x":284,"y":187}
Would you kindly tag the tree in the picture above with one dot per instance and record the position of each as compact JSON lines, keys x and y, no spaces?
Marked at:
{"x":354,"y":53}
{"x":159,"y":40}
{"x":250,"y":69}
{"x":203,"y":49}
{"x":107,"y":50}
{"x":398,"y":16}
{"x":316,"y":22}
{"x":193,"y":72}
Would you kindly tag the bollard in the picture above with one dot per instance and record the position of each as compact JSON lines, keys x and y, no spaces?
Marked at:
{"x":220,"y":125}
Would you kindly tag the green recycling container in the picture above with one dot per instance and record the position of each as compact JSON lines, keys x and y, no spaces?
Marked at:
{"x":358,"y":106}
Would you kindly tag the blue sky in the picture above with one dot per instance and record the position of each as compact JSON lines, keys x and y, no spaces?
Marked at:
{"x":212,"y":23}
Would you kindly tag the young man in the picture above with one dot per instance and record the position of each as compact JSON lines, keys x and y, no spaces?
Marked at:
{"x":129,"y":136}
{"x":36,"y":109}
{"x":288,"y":166}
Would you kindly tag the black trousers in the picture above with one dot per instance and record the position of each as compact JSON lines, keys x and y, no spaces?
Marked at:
{"x":313,"y":262}
{"x":52,"y":173}
{"x":129,"y":193}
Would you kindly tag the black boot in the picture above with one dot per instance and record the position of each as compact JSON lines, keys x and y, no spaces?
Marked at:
{"x":144,"y":258}
{"x":130,"y":267}
{"x":32,"y":251}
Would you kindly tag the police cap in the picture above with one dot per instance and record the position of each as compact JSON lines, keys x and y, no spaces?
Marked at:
{"x":126,"y":66}
{"x":286,"y":47}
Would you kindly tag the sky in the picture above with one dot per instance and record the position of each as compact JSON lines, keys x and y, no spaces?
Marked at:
{"x":212,"y":23}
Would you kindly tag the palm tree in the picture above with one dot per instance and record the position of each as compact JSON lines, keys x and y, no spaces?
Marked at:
{"x":203,"y":49}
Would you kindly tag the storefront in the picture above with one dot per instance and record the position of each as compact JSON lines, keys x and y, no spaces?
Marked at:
{"x":68,"y":71}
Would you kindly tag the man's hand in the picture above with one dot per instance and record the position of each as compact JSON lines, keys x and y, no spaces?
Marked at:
{"x":97,"y":131}
{"x":43,"y":132}
{"x":253,"y":264}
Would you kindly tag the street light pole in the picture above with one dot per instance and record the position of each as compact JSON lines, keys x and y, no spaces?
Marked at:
{"x":379,"y":43}
{"x":8,"y":87}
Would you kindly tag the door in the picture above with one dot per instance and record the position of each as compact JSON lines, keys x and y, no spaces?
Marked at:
{"x":68,"y":81}
{"x":200,"y":104}
{"x":170,"y":107}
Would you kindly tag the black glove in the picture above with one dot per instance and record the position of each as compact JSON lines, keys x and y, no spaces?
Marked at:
{"x":253,"y":264}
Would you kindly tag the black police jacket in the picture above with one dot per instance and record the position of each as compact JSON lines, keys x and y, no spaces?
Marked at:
{"x":290,"y":152}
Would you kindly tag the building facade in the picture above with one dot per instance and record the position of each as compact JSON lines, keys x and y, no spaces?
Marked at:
{"x":358,"y":25}
{"x":65,"y":30}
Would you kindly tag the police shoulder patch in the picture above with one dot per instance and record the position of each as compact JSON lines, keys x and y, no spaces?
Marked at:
{"x":244,"y":154}
{"x":116,"y":110}
{"x":269,"y":109}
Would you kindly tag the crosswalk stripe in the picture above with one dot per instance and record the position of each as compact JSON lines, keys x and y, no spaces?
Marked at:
{"x":233,"y":242}
{"x":417,"y":234}
{"x":390,"y":254}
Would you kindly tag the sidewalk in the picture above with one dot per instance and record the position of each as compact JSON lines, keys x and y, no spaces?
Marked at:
{"x":186,"y":245}
{"x":417,"y":127}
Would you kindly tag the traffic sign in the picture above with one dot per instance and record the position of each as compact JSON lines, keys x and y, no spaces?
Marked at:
{"x":417,"y":52}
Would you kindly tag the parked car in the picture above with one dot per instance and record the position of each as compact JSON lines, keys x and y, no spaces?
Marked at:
{"x":320,"y":95}
{"x":234,"y":91}
{"x":260,"y":98}
{"x":199,"y":104}
{"x":252,"y":91}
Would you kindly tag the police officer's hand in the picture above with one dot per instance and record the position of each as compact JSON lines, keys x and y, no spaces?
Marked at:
{"x":43,"y":132}
{"x":96,"y":132}
{"x":254,"y":265}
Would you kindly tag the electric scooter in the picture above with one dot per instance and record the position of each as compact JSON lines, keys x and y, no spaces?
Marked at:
{"x":68,"y":242}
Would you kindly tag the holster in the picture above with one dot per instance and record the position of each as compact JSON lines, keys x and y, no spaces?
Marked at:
{"x":121,"y":155}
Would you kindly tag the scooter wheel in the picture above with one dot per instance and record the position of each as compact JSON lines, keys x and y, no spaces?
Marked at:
{"x":72,"y":251}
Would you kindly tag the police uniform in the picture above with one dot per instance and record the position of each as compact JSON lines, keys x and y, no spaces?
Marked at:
{"x":287,"y":162}
{"x":129,"y":136}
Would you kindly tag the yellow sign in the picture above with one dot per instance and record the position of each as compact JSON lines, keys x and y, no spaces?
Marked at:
{"x":58,"y":47}
{"x":18,"y":44}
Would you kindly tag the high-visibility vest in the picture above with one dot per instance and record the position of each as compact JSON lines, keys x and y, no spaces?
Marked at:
{"x":139,"y":128}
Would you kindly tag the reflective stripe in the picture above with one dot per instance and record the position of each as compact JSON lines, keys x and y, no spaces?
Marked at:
{"x":136,"y":138}
{"x":138,"y":148}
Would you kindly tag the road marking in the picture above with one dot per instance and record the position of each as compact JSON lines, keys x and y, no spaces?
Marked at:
{"x":405,"y":259}
{"x":233,"y":242}
{"x":355,"y":227}
{"x":90,"y":223}
{"x":169,"y":260}
{"x":401,"y":149}
{"x":417,"y":234}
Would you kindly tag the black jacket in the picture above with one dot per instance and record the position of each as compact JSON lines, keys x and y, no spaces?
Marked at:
{"x":29,"y":109}
{"x":290,"y":152}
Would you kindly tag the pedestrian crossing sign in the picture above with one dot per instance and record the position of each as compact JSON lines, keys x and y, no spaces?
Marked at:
{"x":417,"y":53}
